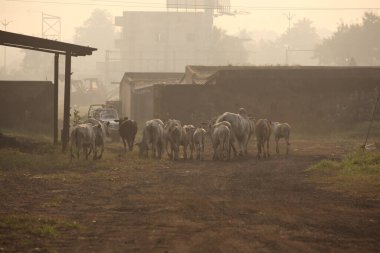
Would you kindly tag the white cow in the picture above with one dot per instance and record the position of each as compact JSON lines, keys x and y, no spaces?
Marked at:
{"x":175,"y":136}
{"x":100,"y":137}
{"x":263,"y":132}
{"x":220,"y":137}
{"x":153,"y":138}
{"x":83,"y":137}
{"x":241,"y":129}
{"x":189,"y":142}
{"x":199,"y":142}
{"x":281,"y":130}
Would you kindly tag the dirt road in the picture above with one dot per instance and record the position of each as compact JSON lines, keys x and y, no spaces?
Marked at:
{"x":150,"y":206}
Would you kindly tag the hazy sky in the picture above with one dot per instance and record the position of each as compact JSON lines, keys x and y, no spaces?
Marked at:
{"x":26,"y":14}
{"x":262,"y":16}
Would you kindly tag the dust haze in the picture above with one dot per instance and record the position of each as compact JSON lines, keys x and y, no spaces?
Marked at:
{"x":189,"y":126}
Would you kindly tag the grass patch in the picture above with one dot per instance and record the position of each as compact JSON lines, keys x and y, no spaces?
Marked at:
{"x":54,"y":202}
{"x":356,"y":163}
{"x":357,"y":173}
{"x":47,"y":161}
{"x":18,"y":226}
{"x":13,"y":159}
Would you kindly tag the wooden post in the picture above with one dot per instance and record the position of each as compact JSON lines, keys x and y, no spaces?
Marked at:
{"x":66,"y":109}
{"x":55,"y":131}
{"x":371,"y":120}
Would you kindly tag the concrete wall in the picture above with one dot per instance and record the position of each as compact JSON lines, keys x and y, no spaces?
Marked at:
{"x":308,"y":98}
{"x":27,"y":106}
{"x":132,"y":81}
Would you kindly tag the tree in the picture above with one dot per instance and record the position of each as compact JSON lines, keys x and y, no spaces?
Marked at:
{"x":301,"y":36}
{"x":97,"y":31}
{"x":35,"y":66}
{"x":359,"y":43}
{"x":228,"y":49}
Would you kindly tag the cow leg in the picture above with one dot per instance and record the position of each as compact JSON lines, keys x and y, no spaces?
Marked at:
{"x":233,"y":142}
{"x":89,"y":151}
{"x":85,"y":153}
{"x":245,"y":144}
{"x":146,"y":151}
{"x":167,"y":151}
{"x":217,"y":152}
{"x":215,"y":146}
{"x":133,"y":142}
{"x":221,"y":151}
{"x":130,"y":144}
{"x":154,"y":149}
{"x":125,"y":145}
{"x":234,"y":149}
{"x":277,"y":148}
{"x":258,"y":149}
{"x":94,"y":147}
{"x":185,"y":152}
{"x":268,"y":155}
{"x":228,"y":150}
{"x":287,"y":145}
{"x":170,"y":154}
{"x":101,"y":151}
{"x":264,"y":150}
{"x":176,"y":152}
{"x":159,"y":149}
{"x":71,"y":151}
{"x":191,"y":151}
{"x":79,"y":147}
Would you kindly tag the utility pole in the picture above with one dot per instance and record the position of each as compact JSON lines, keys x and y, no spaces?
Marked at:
{"x":286,"y":55}
{"x":5,"y":23}
{"x":289,"y":16}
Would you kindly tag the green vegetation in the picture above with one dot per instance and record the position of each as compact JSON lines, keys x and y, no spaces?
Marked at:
{"x":357,"y":173}
{"x":357,"y":163}
{"x":25,"y":224}
{"x":46,"y":160}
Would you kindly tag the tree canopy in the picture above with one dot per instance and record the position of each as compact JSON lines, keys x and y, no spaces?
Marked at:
{"x":228,"y":49}
{"x":352,"y":44}
{"x":97,"y":31}
{"x":296,"y":41}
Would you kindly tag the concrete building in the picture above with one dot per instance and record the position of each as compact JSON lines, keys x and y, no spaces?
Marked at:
{"x":165,"y":41}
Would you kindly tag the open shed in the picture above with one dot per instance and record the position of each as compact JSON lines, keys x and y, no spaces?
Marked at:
{"x":55,"y":47}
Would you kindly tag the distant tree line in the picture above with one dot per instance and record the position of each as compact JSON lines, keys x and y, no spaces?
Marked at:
{"x":356,"y":44}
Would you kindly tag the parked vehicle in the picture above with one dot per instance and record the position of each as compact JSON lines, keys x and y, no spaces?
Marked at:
{"x":106,"y":114}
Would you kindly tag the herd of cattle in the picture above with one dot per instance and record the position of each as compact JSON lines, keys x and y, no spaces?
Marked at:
{"x":228,"y":132}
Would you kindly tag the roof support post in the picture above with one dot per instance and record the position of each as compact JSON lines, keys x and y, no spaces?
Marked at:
{"x":55,"y":133}
{"x":66,"y":109}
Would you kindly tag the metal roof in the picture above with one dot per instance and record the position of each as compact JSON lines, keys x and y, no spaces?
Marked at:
{"x":45,"y":45}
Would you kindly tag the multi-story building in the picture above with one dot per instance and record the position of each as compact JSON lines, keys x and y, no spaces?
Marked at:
{"x":164,"y":41}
